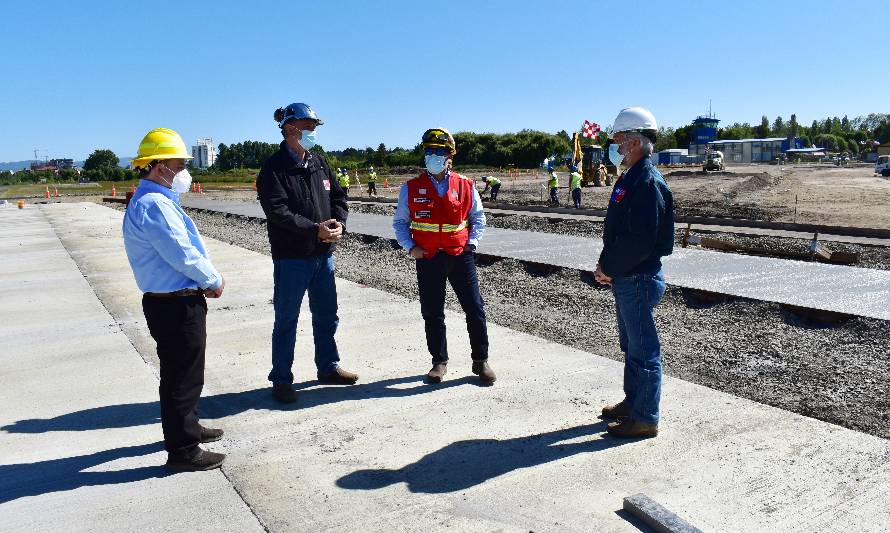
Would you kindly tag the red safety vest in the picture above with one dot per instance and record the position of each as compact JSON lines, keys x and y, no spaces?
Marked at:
{"x":440,"y":223}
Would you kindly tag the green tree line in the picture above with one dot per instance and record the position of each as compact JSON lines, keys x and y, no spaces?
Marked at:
{"x":525,"y":149}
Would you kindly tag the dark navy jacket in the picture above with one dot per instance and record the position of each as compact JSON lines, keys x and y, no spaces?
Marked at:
{"x":295,"y":199}
{"x":639,"y":227}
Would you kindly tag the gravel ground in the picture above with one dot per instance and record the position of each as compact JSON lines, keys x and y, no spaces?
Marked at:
{"x":870,"y":256}
{"x":747,"y":348}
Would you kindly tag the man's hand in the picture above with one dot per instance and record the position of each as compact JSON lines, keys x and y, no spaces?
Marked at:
{"x":600,"y":277}
{"x":330,"y":231}
{"x":417,"y":252}
{"x":469,"y":248}
{"x":215,"y":293}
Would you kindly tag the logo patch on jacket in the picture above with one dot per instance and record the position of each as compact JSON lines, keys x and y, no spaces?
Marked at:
{"x":421,"y":191}
{"x":327,"y":184}
{"x":423,"y":200}
{"x":423,"y":214}
{"x":618,"y":194}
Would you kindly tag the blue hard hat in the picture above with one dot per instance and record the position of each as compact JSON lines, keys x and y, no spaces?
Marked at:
{"x":574,"y":168}
{"x":298,"y":111}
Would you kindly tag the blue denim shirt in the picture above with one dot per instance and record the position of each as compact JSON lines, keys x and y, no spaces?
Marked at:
{"x":401,"y":222}
{"x":163,"y":246}
{"x":639,"y":226}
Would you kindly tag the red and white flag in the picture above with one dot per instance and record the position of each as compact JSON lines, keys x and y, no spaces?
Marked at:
{"x":590,"y":129}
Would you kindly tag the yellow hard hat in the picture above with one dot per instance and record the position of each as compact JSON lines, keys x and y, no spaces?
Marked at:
{"x":160,"y":143}
{"x":438,"y":138}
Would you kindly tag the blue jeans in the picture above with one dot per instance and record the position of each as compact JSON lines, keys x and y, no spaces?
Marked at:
{"x":635,"y":299}
{"x":293,"y":277}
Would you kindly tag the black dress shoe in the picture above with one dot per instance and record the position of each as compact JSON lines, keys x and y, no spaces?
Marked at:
{"x":284,"y":392}
{"x":203,"y":460}
{"x":210,"y":434}
{"x":338,"y":377}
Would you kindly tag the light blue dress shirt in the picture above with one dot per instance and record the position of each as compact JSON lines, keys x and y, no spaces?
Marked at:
{"x":401,"y":222}
{"x":163,"y":246}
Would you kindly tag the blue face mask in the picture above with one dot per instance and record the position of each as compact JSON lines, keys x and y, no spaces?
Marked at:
{"x":434,"y":163}
{"x":307,"y":140}
{"x":614,"y":156}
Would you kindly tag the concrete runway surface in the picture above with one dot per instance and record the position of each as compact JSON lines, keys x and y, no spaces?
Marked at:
{"x":79,"y":430}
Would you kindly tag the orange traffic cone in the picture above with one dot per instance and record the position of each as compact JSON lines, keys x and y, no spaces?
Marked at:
{"x":46,"y":193}
{"x":134,"y":188}
{"x":385,"y":183}
{"x":113,"y":190}
{"x":254,"y":185}
{"x":57,"y":191}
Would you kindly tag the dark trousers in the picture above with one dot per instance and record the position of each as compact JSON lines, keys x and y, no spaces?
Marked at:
{"x":494,"y":191}
{"x":576,"y":198}
{"x":554,"y":195}
{"x":178,"y":326}
{"x":372,"y":188}
{"x":460,"y":272}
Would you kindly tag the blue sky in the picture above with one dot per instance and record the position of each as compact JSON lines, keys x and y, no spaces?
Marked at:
{"x":84,"y":75}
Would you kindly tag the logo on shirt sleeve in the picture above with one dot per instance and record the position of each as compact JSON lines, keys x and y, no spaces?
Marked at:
{"x":618,"y":195}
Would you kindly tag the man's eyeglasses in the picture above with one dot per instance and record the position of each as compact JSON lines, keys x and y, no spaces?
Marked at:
{"x":434,"y":151}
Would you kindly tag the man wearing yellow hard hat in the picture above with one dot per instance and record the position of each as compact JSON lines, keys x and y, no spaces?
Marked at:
{"x":174,"y":272}
{"x":439,"y":221}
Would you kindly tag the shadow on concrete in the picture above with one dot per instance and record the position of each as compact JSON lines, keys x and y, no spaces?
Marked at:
{"x":309,"y":394}
{"x":467,"y":463}
{"x":57,"y":475}
{"x":634,"y":521}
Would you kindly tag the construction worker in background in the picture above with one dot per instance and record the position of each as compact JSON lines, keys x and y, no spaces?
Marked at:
{"x":553,"y":184}
{"x":439,"y":221}
{"x":494,"y":183}
{"x":343,"y":178}
{"x":174,"y":273}
{"x":305,"y":212}
{"x":638,"y":232}
{"x":372,"y":182}
{"x":575,"y":186}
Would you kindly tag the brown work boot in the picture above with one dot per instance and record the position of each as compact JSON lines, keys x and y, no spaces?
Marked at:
{"x":284,"y":392}
{"x":203,"y":460}
{"x":210,"y":434}
{"x":618,"y":411}
{"x":338,"y":377}
{"x":629,"y":428}
{"x":436,"y":373}
{"x":481,"y":369}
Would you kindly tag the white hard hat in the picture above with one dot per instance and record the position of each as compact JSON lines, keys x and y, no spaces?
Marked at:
{"x":634,"y":119}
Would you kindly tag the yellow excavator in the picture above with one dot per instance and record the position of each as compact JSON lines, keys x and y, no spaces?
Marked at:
{"x":595,"y":169}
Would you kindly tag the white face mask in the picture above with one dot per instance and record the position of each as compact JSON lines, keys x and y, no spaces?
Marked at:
{"x":435,"y":163}
{"x":182,"y":181}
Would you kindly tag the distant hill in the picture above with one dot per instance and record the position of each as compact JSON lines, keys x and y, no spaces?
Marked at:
{"x":22,"y":165}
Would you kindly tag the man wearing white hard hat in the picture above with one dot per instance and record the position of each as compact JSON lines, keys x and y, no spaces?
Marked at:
{"x":638,"y":232}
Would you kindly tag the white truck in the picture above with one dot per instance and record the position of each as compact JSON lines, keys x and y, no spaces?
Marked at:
{"x":882,"y":166}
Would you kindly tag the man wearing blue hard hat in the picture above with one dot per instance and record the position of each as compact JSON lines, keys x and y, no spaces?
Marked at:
{"x":305,"y":210}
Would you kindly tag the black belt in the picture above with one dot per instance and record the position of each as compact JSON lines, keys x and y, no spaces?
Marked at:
{"x":180,"y":292}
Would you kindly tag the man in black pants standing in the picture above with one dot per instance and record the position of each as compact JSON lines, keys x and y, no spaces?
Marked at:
{"x":174,"y":272}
